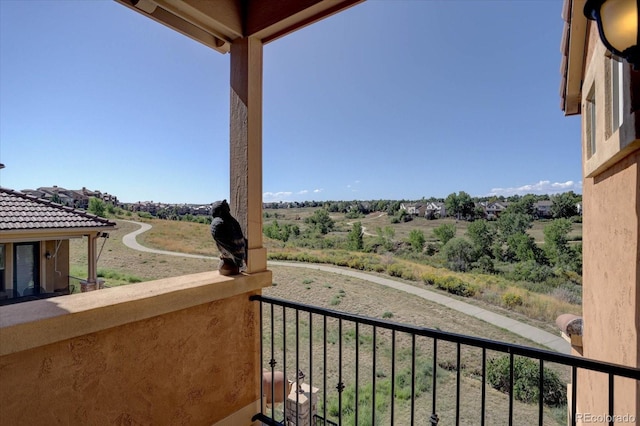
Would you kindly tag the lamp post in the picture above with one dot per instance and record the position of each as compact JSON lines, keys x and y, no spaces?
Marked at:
{"x":617,"y":22}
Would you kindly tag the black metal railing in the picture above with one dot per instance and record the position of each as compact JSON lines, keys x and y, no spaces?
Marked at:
{"x":374,"y":371}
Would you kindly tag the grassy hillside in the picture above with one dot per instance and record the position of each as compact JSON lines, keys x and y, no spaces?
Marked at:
{"x":539,"y":302}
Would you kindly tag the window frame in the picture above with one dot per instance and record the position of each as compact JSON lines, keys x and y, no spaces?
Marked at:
{"x":591,"y":117}
{"x":615,"y":83}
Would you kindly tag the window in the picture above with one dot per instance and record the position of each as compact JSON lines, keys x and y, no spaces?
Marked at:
{"x":3,"y":255}
{"x":26,"y":269}
{"x":617,"y":94}
{"x":591,"y":122}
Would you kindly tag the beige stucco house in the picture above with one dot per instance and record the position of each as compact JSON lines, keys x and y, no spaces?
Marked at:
{"x":34,"y":246}
{"x":605,"y":91}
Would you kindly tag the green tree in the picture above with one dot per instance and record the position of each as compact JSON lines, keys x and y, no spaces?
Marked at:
{"x":384,"y":237}
{"x":355,"y":241}
{"x":417,"y":240}
{"x":512,"y":223}
{"x":467,"y":206}
{"x":272,"y":230}
{"x":482,"y":235}
{"x":280,"y":232}
{"x":445,"y":232}
{"x":564,"y":205}
{"x":320,"y":221}
{"x":393,"y":207}
{"x":556,"y":242}
{"x":452,"y":204}
{"x":523,"y":247}
{"x":460,"y":205}
{"x":523,"y":205}
{"x":97,"y":207}
{"x":459,"y":254}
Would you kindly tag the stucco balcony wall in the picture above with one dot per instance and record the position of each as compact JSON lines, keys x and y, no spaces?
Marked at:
{"x":183,"y":350}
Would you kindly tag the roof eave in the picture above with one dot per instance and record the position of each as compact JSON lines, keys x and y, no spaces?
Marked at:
{"x":14,"y":235}
{"x":574,"y":43}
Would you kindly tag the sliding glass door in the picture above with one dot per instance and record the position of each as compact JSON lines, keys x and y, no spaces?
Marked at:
{"x":26,"y":267}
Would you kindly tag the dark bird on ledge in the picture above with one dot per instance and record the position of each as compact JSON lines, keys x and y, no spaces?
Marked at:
{"x":227,"y":234}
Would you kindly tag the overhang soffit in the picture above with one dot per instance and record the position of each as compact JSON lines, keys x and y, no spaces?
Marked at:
{"x":217,"y":23}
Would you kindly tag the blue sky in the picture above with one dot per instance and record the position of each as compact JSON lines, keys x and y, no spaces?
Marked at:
{"x":390,"y":99}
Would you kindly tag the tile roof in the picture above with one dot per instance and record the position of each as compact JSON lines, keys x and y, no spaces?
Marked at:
{"x":19,"y":211}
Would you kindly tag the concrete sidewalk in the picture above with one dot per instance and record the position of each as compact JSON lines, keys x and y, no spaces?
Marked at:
{"x":554,"y":342}
{"x":551,"y":341}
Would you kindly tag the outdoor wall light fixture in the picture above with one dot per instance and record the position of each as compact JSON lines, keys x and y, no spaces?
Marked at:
{"x":617,"y":22}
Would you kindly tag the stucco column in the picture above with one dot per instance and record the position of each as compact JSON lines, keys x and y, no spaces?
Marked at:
{"x":92,"y":274}
{"x":246,"y":146}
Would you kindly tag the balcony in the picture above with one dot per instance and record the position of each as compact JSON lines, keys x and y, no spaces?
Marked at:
{"x":181,"y":350}
{"x":187,"y":350}
{"x":366,"y":371}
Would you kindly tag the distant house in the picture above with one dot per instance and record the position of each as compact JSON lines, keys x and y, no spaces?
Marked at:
{"x":542,"y":208}
{"x":414,"y":209}
{"x":57,"y":195}
{"x":34,"y":246}
{"x":78,"y":198}
{"x":435,"y":210}
{"x":493,"y":209}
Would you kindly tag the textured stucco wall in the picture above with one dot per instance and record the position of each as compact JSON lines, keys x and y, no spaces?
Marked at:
{"x":57,"y":268}
{"x":611,"y":283}
{"x":194,"y":366}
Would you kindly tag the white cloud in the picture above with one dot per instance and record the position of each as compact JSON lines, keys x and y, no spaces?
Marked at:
{"x":304,"y":191}
{"x":317,"y":191}
{"x":541,"y":187}
{"x":268,"y":197}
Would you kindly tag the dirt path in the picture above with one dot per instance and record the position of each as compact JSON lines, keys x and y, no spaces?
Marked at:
{"x":552,"y":341}
{"x":364,"y":229}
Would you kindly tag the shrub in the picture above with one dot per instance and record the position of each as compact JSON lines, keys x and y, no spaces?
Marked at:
{"x":395,"y":270}
{"x":526,"y":381}
{"x":356,"y":263}
{"x":387,"y":315}
{"x":511,"y":300}
{"x":484,"y":264}
{"x":407,"y":274}
{"x":429,"y":278}
{"x":455,"y":285}
{"x":568,"y":292}
{"x":531,"y":271}
{"x":445,"y":232}
{"x":431,"y":249}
